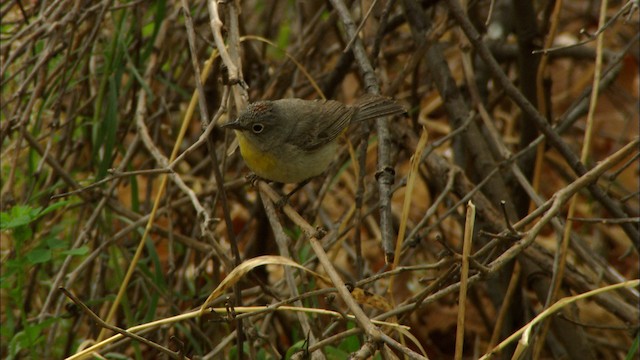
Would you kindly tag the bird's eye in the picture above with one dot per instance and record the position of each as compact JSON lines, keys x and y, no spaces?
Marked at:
{"x":257,"y":128}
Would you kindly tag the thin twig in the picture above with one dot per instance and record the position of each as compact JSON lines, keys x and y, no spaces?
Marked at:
{"x":464,"y":275}
{"x":97,"y":319}
{"x":385,"y":174}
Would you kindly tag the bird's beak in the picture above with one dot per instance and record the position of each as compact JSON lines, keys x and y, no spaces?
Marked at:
{"x":235,"y":125}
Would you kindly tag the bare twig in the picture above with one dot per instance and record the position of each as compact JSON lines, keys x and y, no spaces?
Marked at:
{"x":385,"y":173}
{"x":464,"y":275}
{"x":96,"y":318}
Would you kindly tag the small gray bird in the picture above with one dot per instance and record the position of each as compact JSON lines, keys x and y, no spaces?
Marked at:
{"x":293,"y":140}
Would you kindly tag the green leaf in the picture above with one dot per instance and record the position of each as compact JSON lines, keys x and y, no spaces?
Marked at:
{"x":55,"y":243}
{"x":21,"y":215}
{"x":8,"y":325}
{"x":284,"y":35}
{"x":53,"y":207}
{"x":335,"y":353}
{"x":298,"y":346}
{"x":28,"y":338}
{"x":351,"y":343}
{"x":21,"y":234}
{"x":17,"y":216}
{"x":109,"y":128}
{"x":82,"y":250}
{"x":633,"y":349}
{"x":159,"y":10}
{"x":13,"y":268}
{"x":38,"y":255}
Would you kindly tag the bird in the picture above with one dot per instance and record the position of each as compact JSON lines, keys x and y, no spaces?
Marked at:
{"x":294,"y":140}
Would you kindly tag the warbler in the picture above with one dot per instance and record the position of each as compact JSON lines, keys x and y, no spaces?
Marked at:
{"x":293,"y":140}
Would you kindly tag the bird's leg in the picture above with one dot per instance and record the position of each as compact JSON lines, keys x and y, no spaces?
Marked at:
{"x":252,"y":179}
{"x":285,"y":198}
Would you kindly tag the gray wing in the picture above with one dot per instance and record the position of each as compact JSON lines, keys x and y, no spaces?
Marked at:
{"x":315,"y":123}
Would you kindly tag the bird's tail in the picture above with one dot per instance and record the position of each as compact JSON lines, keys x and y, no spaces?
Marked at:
{"x":372,"y":106}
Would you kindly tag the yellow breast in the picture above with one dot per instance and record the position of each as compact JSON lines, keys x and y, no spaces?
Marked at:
{"x":288,"y":164}
{"x":259,"y":162}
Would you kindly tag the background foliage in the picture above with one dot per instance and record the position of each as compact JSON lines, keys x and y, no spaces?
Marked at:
{"x":94,"y":95}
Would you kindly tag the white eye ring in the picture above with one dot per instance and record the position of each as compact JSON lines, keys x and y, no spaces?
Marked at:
{"x":257,"y":128}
